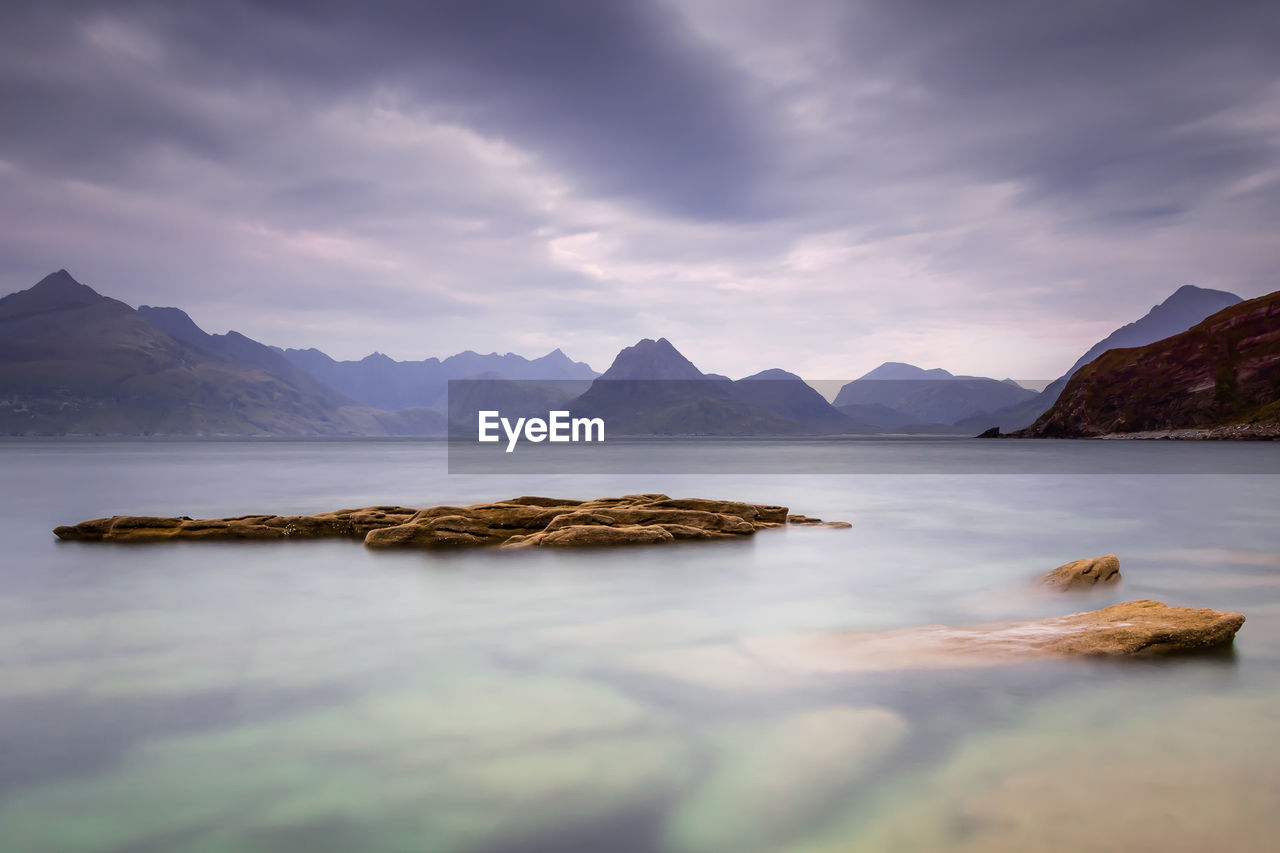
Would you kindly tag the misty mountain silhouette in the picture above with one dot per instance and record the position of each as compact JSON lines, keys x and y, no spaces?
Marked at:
{"x":928,"y":396}
{"x":75,"y":362}
{"x":652,"y":389}
{"x":239,"y":348}
{"x":381,"y":382}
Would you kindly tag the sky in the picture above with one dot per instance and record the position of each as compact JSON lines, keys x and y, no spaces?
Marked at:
{"x":988,"y":187}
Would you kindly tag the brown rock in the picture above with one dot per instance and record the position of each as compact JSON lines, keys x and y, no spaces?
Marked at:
{"x":747,"y":512}
{"x":695,"y":518}
{"x":595,"y":536}
{"x":684,"y":531}
{"x":524,"y":521}
{"x":808,"y":521}
{"x":1082,"y":574}
{"x":1141,"y":629}
{"x":446,"y":531}
{"x":574,"y":519}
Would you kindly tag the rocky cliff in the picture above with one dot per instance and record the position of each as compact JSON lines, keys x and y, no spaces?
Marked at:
{"x":1225,"y":370}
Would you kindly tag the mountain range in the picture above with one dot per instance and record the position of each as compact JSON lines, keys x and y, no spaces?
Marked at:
{"x":928,"y":396}
{"x":651,"y":389}
{"x":378,"y":381}
{"x":75,"y":362}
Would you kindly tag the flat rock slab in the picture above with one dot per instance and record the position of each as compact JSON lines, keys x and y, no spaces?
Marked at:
{"x":522,"y":522}
{"x":1135,"y":629}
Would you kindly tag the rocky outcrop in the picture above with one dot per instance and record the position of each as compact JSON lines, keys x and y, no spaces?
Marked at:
{"x":520,"y":522}
{"x":815,"y":522}
{"x":1138,"y":629}
{"x":1135,"y":629}
{"x":1223,"y":371}
{"x":1082,"y":574}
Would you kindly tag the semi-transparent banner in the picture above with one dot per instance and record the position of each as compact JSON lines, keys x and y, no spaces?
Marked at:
{"x":785,"y":426}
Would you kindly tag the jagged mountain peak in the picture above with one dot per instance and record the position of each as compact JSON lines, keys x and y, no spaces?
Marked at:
{"x":55,"y":292}
{"x":650,"y":359}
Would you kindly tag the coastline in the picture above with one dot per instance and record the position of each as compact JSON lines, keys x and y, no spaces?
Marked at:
{"x":1230,"y":432}
{"x":1269,"y":431}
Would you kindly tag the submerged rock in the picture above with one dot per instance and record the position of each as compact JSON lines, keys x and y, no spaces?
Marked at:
{"x":520,"y":522}
{"x":1135,"y":629}
{"x":1080,"y":574}
{"x":1183,"y":771}
{"x":769,"y":781}
{"x":1132,"y":629}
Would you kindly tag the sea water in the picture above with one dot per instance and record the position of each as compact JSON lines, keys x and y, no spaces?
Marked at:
{"x":318,"y":696}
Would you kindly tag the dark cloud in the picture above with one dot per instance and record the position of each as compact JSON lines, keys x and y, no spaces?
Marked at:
{"x":1128,"y":107}
{"x":615,"y":94}
{"x":828,"y":183}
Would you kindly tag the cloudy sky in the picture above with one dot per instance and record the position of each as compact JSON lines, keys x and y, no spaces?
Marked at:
{"x":821,"y":186}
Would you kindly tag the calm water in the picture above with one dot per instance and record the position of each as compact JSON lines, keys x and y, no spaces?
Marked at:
{"x":315,"y":696}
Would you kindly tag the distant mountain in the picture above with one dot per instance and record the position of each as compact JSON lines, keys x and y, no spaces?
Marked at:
{"x":75,"y":362}
{"x":513,"y":398}
{"x":875,"y":415}
{"x":384,"y":383}
{"x":653,"y":360}
{"x":1224,"y":370}
{"x":788,"y":395}
{"x":897,"y":371}
{"x":928,"y":396}
{"x":1186,"y":307}
{"x":651,"y":389}
{"x":236,"y":347}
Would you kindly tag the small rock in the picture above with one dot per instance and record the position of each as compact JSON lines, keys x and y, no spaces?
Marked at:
{"x":1081,"y":574}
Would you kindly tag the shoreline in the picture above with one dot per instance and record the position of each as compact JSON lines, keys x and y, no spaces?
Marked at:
{"x":1231,"y":432}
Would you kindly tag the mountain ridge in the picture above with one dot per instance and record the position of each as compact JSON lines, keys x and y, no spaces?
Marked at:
{"x":1184,"y":308}
{"x":76,"y":362}
{"x":1222,"y":371}
{"x":380,"y":381}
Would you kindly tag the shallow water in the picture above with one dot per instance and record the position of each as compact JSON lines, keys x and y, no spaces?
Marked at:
{"x":317,"y":696}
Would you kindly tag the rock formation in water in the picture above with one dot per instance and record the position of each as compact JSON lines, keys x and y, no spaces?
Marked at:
{"x":517,"y":523}
{"x":1134,"y":629}
{"x":1081,"y":574}
{"x":1223,"y":371}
